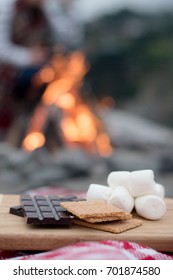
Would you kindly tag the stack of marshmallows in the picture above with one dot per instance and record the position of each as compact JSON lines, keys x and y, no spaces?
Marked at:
{"x":132,"y":190}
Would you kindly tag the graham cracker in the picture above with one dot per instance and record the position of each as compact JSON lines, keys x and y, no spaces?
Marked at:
{"x":95,"y":211}
{"x":114,"y":226}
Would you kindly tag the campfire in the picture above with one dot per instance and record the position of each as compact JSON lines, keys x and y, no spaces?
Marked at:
{"x":65,"y":117}
{"x":75,"y":120}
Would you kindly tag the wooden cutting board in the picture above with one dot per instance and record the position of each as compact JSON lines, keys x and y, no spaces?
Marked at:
{"x":15,"y":234}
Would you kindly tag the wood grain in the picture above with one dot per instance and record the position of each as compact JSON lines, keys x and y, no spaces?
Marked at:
{"x":16,"y":235}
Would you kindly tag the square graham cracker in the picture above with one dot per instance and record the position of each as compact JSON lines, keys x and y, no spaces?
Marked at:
{"x":114,"y":226}
{"x":95,"y":211}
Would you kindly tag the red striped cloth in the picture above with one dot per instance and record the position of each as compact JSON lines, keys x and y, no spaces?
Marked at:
{"x":102,"y":250}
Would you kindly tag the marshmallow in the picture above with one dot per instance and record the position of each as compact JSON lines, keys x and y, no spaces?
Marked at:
{"x":159,"y":190}
{"x":150,"y":207}
{"x":142,"y":183}
{"x":122,"y":199}
{"x":118,"y":178}
{"x":97,"y":192}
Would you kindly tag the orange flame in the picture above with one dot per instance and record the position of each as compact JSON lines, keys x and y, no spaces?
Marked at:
{"x":104,"y":145}
{"x":66,"y":101}
{"x":79,"y":124}
{"x":47,"y":75}
{"x":33,"y":141}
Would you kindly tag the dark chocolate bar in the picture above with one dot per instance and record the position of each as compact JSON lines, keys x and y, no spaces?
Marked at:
{"x":41,"y":210}
{"x":17,"y":210}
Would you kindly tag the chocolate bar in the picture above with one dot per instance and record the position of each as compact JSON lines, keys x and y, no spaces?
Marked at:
{"x":41,"y":210}
{"x":17,"y":210}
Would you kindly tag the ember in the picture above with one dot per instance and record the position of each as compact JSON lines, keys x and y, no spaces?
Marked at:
{"x":79,"y":124}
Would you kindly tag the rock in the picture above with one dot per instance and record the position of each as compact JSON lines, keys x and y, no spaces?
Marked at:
{"x":18,"y":159}
{"x":131,"y":160}
{"x":126,"y":129}
{"x":9,"y":181}
{"x":77,"y":160}
{"x":47,"y":176}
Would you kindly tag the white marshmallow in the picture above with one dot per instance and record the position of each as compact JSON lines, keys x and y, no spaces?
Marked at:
{"x":118,"y":178}
{"x":150,"y":207}
{"x":142,"y":182}
{"x":122,"y":199}
{"x":159,"y":190}
{"x":97,"y":192}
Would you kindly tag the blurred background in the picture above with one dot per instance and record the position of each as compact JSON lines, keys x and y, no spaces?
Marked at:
{"x":97,"y":96}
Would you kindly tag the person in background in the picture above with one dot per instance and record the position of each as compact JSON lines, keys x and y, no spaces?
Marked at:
{"x":30,"y":31}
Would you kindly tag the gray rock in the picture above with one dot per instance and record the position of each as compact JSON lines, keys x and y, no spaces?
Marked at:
{"x":77,"y":160}
{"x":131,"y":160}
{"x":9,"y":181}
{"x":18,"y":159}
{"x":47,"y":176}
{"x":126,"y":129}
